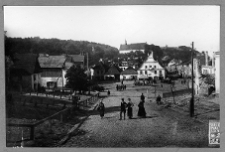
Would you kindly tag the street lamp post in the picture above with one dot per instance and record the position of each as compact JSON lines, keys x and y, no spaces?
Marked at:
{"x":192,"y":82}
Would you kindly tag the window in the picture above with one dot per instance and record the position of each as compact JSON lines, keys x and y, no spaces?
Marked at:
{"x":146,"y":72}
{"x":51,"y":84}
{"x":146,"y":67}
{"x":150,"y":66}
{"x":140,"y":72}
{"x":154,"y":66}
{"x":155,"y":72}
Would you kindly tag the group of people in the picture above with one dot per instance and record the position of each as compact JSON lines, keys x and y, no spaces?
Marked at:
{"x":125,"y":108}
{"x":121,"y":87}
{"x":129,"y":106}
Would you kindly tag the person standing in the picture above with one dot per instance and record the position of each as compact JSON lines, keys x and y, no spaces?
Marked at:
{"x":123,"y":109}
{"x":101,"y":108}
{"x":158,"y":100}
{"x":108,"y":93}
{"x":130,"y":108}
{"x":141,"y":110}
{"x":142,"y":97}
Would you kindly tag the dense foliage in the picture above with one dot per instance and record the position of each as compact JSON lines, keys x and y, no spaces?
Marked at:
{"x":77,"y":79}
{"x":56,"y":46}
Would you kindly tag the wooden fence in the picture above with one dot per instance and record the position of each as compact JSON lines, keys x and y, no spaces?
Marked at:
{"x":59,"y":115}
{"x":177,"y":93}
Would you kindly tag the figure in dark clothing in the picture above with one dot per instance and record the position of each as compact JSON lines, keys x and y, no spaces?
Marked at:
{"x":108,"y":93}
{"x":101,"y":109}
{"x":158,"y":100}
{"x":141,"y":111}
{"x":142,"y":97}
{"x":123,"y":109}
{"x":130,"y":109}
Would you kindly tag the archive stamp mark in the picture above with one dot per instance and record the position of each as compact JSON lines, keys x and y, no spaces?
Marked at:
{"x":214,"y":132}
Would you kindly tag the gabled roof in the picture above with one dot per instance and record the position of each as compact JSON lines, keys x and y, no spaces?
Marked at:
{"x":26,"y":63}
{"x":129,"y":70}
{"x":134,"y":46}
{"x":112,"y":71}
{"x":56,"y":61}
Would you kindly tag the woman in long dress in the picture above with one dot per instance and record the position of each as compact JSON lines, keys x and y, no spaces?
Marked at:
{"x":141,"y":111}
{"x":101,"y":109}
{"x":130,"y":109}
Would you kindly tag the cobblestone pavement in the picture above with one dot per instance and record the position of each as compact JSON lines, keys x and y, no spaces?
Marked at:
{"x":163,"y":127}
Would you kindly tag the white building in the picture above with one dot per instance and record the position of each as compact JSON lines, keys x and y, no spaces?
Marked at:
{"x":54,"y":69}
{"x":208,"y":69}
{"x":129,"y":74}
{"x":151,"y":68}
{"x":197,"y":76}
{"x":123,"y":65}
{"x":217,"y":71}
{"x":127,"y":48}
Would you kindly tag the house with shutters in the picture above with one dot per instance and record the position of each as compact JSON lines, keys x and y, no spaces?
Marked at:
{"x":54,"y":68}
{"x":150,"y":69}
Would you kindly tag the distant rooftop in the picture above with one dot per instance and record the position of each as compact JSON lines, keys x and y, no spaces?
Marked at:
{"x":133,"y":46}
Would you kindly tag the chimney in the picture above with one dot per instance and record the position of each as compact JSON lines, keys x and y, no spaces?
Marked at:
{"x":206,"y":58}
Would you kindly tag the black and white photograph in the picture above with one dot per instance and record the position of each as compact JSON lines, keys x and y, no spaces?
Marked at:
{"x":116,"y":76}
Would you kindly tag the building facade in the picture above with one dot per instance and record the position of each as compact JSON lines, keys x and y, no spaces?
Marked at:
{"x":54,"y":69}
{"x":150,"y":69}
{"x":127,"y":48}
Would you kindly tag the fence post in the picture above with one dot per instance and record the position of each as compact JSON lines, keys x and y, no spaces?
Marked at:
{"x":32,"y":132}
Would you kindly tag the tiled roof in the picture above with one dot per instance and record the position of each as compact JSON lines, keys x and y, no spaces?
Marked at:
{"x":134,"y":46}
{"x":129,"y":70}
{"x":26,"y":63}
{"x":56,"y":61}
{"x":113,"y":70}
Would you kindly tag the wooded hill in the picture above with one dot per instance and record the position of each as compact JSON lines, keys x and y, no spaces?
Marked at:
{"x":95,"y":50}
{"x":55,"y":47}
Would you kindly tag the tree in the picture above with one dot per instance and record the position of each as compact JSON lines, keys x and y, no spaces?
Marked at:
{"x":76,"y":79}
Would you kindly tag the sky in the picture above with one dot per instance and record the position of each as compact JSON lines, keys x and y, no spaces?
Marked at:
{"x":169,"y":25}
